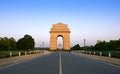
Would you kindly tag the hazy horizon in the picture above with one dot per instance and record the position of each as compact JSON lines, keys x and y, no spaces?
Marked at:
{"x":90,"y":19}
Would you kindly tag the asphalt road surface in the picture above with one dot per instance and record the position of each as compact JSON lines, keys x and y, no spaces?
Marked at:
{"x":61,"y":63}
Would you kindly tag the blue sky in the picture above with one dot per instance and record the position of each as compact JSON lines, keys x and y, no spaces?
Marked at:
{"x":90,"y":19}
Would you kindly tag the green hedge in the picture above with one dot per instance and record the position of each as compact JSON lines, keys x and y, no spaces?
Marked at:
{"x":6,"y":54}
{"x":114,"y":54}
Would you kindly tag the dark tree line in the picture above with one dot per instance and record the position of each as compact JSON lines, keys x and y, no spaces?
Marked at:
{"x":25,"y":43}
{"x":76,"y":47}
{"x":7,"y":43}
{"x":112,"y":45}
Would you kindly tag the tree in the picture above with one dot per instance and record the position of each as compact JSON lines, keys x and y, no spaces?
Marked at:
{"x":87,"y":47}
{"x":12,"y":44}
{"x":1,"y":43}
{"x":25,"y":43}
{"x":7,"y":43}
{"x":113,"y":45}
{"x":76,"y":47}
{"x":101,"y":46}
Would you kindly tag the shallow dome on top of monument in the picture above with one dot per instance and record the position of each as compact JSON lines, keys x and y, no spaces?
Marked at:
{"x":60,"y":27}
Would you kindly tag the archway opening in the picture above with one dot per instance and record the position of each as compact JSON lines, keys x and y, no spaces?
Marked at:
{"x":60,"y":42}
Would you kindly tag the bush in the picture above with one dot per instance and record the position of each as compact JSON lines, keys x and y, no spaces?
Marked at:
{"x":4,"y":54}
{"x":115,"y":54}
{"x":105,"y":53}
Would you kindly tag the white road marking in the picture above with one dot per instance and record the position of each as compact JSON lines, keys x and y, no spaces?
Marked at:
{"x":60,"y":65}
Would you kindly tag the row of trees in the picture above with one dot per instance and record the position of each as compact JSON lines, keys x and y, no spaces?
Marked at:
{"x":112,"y":45}
{"x":25,"y":43}
{"x":76,"y":47}
{"x":7,"y":43}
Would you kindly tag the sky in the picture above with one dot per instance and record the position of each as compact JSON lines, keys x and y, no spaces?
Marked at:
{"x":87,"y":19}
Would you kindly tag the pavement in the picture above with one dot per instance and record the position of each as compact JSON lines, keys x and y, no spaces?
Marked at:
{"x":12,"y":60}
{"x":115,"y":61}
{"x":61,"y":63}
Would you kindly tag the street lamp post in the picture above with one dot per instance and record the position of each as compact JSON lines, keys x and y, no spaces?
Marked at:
{"x":43,"y":44}
{"x":84,"y":42}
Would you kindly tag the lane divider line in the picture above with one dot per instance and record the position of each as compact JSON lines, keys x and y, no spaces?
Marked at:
{"x":60,"y":65}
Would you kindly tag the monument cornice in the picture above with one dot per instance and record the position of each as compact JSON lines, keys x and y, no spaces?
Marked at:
{"x":60,"y":32}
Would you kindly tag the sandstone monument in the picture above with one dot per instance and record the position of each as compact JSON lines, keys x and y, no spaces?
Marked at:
{"x":57,"y":30}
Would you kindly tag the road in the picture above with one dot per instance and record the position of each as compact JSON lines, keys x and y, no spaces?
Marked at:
{"x":61,"y":63}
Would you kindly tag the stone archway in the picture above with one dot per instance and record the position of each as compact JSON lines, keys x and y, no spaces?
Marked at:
{"x":57,"y":30}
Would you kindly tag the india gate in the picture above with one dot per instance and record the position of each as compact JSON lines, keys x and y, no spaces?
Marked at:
{"x":57,"y":30}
